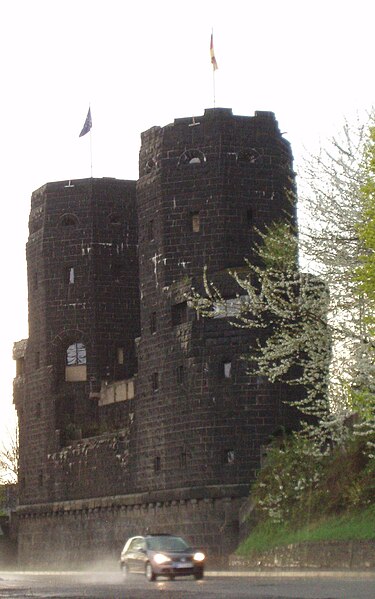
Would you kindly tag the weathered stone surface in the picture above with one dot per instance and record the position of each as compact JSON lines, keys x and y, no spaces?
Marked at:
{"x":110,"y":264}
{"x":332,"y":555}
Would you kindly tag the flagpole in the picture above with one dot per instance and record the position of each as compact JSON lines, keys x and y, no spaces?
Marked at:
{"x":91,"y":152}
{"x":87,"y":129}
{"x":213,"y":85}
{"x":214,"y":64}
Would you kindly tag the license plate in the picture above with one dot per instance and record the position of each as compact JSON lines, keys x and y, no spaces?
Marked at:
{"x":182,"y":565}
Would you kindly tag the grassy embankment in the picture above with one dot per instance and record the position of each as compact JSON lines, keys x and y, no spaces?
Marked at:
{"x":349,"y":527}
{"x":314,"y":497}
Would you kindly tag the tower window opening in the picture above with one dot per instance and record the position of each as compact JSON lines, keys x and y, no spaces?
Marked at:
{"x":120,"y":355}
{"x":183,"y":457}
{"x":76,"y":354}
{"x":157,"y":464}
{"x":191,"y":157}
{"x":249,"y":216}
{"x":70,"y":275}
{"x":153,"y":323}
{"x":227,"y":369}
{"x":76,"y":369}
{"x":249,"y":156}
{"x":20,"y":366}
{"x":195,"y":222}
{"x":115,"y":219}
{"x":179,"y":313}
{"x":229,"y":456}
{"x":180,"y":374}
{"x":155,"y":381}
{"x":68,"y":220}
{"x":150,"y":230}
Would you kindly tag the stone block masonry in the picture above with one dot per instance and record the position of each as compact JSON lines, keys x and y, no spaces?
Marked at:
{"x":133,"y":413}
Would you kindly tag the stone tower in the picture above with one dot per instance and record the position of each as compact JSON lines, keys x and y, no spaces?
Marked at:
{"x":206,"y":184}
{"x":134,"y":413}
{"x":83,"y":316}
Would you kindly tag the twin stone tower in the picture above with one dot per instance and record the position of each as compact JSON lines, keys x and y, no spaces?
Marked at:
{"x":134,"y":414}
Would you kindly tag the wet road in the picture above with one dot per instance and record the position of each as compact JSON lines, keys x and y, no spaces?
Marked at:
{"x":110,"y":586}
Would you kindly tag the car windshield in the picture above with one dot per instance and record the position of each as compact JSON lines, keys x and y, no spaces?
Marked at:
{"x":165,"y":543}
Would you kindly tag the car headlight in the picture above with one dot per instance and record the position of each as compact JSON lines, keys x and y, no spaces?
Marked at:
{"x":160,"y":558}
{"x":199,"y":556}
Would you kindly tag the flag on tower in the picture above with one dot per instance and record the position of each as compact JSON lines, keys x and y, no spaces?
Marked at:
{"x":88,"y":124}
{"x":212,"y":52}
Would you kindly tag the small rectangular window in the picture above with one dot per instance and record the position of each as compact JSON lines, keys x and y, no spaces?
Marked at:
{"x":227,"y":370}
{"x":229,"y":456}
{"x":155,"y":381}
{"x":69,"y":275}
{"x":157,"y":464}
{"x":120,"y":355}
{"x":150,"y":230}
{"x":195,"y":222}
{"x":179,"y":313}
{"x":180,"y":374}
{"x":20,"y":366}
{"x":153,"y":322}
{"x":183,"y":458}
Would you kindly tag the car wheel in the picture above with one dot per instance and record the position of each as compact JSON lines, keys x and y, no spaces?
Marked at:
{"x":150,"y":574}
{"x":198,"y":575}
{"x":124,"y":571}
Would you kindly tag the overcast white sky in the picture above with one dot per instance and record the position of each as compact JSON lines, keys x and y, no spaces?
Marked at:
{"x":146,"y":63}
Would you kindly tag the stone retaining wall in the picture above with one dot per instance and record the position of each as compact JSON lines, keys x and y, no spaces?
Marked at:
{"x":351,"y":555}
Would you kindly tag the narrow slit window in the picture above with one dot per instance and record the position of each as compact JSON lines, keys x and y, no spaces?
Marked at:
{"x":153,"y":322}
{"x":120,"y":355}
{"x":69,"y":275}
{"x":155,"y":381}
{"x":150,"y":230}
{"x":227,"y":370}
{"x":195,"y":222}
{"x":180,"y":374}
{"x":229,"y":456}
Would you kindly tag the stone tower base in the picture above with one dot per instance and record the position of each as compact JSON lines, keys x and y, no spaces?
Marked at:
{"x":87,"y":533}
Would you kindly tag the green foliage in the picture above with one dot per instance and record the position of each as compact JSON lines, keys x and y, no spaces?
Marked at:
{"x":357,"y":525}
{"x":286,"y":309}
{"x":308,"y":493}
{"x":366,"y":228}
{"x":302,"y":483}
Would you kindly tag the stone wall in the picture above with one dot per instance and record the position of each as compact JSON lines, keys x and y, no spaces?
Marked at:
{"x":332,"y":555}
{"x":94,"y":531}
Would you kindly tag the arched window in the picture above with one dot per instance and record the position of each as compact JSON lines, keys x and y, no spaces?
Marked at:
{"x":191,"y":157}
{"x":68,"y":220}
{"x":76,"y":354}
{"x":249,"y":156}
{"x":114,"y":219}
{"x":150,"y":165}
{"x":75,"y":365}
